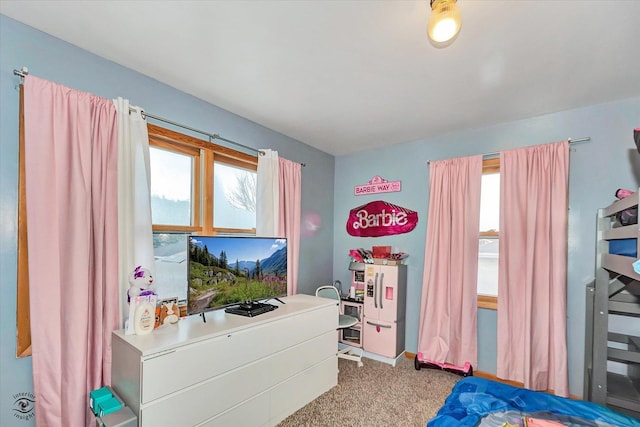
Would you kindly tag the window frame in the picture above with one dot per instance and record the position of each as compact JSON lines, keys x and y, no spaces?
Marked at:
{"x":23,"y":317}
{"x":489,"y":166}
{"x":206,"y":154}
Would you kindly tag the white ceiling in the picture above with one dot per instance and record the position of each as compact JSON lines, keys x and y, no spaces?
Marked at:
{"x":345,"y":76}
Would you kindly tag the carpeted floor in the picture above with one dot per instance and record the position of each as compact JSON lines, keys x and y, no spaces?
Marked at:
{"x":377,"y":395}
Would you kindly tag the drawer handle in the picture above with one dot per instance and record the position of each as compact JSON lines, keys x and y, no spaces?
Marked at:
{"x":155,"y":356}
{"x":379,"y":325}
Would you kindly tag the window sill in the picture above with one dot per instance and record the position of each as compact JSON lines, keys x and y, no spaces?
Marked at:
{"x":488,"y":302}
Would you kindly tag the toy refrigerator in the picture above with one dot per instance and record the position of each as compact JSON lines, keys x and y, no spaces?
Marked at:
{"x":384,"y":309}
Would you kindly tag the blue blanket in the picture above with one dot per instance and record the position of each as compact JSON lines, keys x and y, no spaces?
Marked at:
{"x":473,"y":398}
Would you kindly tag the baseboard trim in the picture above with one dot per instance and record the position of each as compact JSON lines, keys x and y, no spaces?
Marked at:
{"x":492,"y":377}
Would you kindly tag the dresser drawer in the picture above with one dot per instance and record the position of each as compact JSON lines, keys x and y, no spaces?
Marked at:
{"x":313,"y":361}
{"x":198,"y":403}
{"x":219,"y":394}
{"x":189,"y":364}
{"x":293,"y":394}
{"x":296,"y":359}
{"x":253,"y":412}
{"x":194,"y":363}
{"x":294,"y":330}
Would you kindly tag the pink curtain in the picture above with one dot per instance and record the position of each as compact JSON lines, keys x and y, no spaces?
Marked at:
{"x":290,"y":183}
{"x":71,"y":195}
{"x":532,"y":283}
{"x":447,"y":329}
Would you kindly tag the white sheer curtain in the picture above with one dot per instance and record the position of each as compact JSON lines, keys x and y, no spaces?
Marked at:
{"x":135,"y":235}
{"x":267,"y":194}
{"x":290,"y":180}
{"x":278,"y":207}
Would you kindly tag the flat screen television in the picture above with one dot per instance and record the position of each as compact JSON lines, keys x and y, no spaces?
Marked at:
{"x":224,"y":271}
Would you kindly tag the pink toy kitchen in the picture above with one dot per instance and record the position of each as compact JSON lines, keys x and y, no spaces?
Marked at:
{"x":377,"y":298}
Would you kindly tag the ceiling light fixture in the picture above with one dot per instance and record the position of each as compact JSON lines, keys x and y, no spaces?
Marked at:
{"x":444,"y":23}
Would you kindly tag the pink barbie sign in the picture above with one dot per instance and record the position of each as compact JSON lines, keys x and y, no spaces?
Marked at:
{"x":377,"y":185}
{"x":379,"y":218}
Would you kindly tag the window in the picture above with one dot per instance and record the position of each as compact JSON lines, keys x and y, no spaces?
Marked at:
{"x":196,"y":188}
{"x":489,"y":234}
{"x":234,"y":201}
{"x":172,"y":175}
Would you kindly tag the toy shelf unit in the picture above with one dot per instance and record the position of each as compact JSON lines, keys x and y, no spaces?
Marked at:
{"x":353,"y":335}
{"x":614,"y":300}
{"x":352,"y":304}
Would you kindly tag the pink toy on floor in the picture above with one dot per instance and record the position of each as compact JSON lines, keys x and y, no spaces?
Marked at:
{"x":421,"y":362}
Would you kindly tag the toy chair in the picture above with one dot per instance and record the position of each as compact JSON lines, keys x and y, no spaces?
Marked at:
{"x":343,"y":322}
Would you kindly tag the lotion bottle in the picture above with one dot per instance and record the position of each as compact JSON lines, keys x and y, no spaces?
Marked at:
{"x":144,"y":318}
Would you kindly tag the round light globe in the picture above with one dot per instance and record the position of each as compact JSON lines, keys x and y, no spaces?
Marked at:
{"x":444,"y":22}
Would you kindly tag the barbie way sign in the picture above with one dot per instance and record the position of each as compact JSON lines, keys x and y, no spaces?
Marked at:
{"x":377,"y":185}
{"x":379,"y":218}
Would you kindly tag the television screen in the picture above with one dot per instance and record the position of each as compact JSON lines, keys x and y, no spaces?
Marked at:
{"x":224,"y":271}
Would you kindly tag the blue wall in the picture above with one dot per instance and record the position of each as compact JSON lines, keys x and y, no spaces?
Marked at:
{"x":597,"y":168}
{"x":57,"y":61}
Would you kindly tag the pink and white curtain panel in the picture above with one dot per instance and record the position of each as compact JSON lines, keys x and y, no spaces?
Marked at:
{"x":290,"y":180}
{"x":448,"y":313}
{"x":86,"y":176}
{"x":532,"y":282}
{"x":532,"y":278}
{"x":71,"y":172}
{"x":278,"y":210}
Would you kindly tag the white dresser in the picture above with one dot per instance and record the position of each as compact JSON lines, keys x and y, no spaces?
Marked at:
{"x":232,"y":370}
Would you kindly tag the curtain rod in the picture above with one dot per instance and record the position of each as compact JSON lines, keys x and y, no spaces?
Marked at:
{"x":24,"y":72}
{"x":210,"y":135}
{"x":569,"y":140}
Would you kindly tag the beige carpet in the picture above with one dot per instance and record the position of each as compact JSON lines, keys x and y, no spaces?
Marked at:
{"x":377,"y":395}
